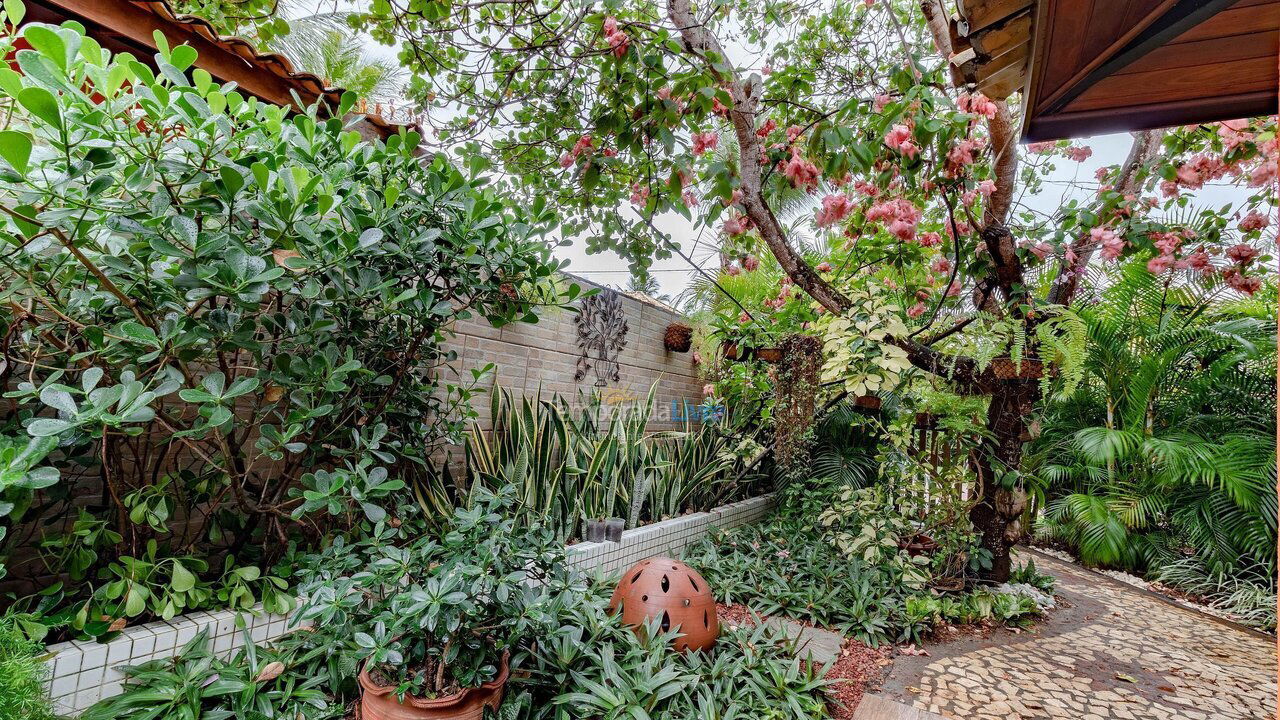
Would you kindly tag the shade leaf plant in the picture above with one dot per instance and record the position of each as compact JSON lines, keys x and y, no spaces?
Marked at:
{"x":223,"y":325}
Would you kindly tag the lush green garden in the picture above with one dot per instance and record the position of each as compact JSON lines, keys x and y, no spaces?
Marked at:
{"x":226,"y":370}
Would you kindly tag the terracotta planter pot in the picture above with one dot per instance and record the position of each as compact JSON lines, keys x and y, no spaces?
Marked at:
{"x":380,"y":703}
{"x":869,"y":402}
{"x":730,"y":350}
{"x":769,"y":354}
{"x":673,"y":592}
{"x":1005,"y":369}
{"x":678,"y":337}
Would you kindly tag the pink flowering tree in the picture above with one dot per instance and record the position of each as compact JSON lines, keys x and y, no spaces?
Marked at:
{"x":627,"y":111}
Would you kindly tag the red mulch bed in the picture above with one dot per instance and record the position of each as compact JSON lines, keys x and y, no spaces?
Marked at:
{"x":858,"y":666}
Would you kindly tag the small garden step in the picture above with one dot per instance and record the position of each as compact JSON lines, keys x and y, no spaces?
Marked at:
{"x":820,"y":646}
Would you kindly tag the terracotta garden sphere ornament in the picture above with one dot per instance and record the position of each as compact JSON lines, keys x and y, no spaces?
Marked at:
{"x":675,"y":594}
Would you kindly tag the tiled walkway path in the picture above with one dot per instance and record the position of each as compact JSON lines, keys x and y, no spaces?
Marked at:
{"x":1115,"y":653}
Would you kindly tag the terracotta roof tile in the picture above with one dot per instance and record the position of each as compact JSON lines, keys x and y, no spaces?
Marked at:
{"x":308,"y":85}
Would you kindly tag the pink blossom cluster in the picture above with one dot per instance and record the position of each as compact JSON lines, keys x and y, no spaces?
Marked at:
{"x":1042,"y":148}
{"x":901,"y":214}
{"x":583,"y":146}
{"x":704,"y":141}
{"x":978,"y":104}
{"x":618,"y":40}
{"x":881,"y":101}
{"x":639,"y":194}
{"x":802,"y":173}
{"x":736,"y":225}
{"x":1040,"y":249}
{"x":1079,"y":153}
{"x":1242,"y":255}
{"x":929,"y":239}
{"x":1233,"y":134}
{"x":767,"y":128}
{"x":793,"y":132}
{"x":962,"y":154}
{"x":941,"y":265}
{"x":1112,"y":245}
{"x":835,"y":207}
{"x":1254,"y":221}
{"x":899,"y":138}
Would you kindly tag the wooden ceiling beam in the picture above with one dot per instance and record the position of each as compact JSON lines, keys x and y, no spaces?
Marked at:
{"x":978,"y":15}
{"x":1174,"y":21}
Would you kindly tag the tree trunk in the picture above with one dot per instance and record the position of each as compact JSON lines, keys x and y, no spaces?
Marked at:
{"x":998,"y":514}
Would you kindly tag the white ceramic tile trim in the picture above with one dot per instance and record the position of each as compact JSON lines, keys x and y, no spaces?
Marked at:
{"x":84,"y":672}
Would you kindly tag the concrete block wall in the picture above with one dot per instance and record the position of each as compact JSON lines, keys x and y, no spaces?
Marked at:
{"x":542,"y":357}
{"x":83,"y":673}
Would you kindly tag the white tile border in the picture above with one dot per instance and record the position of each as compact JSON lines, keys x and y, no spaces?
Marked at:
{"x":84,"y":672}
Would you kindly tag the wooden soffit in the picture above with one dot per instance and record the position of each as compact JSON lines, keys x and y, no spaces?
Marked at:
{"x":1091,"y":66}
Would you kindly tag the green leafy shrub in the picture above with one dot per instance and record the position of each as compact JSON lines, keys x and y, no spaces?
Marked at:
{"x":229,"y":317}
{"x":254,"y":682}
{"x":591,"y":665}
{"x":22,"y":674}
{"x":1168,"y":448}
{"x":850,"y":576}
{"x":435,"y":614}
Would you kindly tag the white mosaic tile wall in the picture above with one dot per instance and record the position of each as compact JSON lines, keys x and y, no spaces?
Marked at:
{"x":665,"y":538}
{"x":85,"y":672}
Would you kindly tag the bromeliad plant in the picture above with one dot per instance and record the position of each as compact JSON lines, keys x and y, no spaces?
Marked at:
{"x":436,"y":615}
{"x":207,"y":303}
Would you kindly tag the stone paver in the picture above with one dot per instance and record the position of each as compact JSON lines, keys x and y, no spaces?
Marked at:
{"x":876,"y":707}
{"x":820,"y":646}
{"x":1116,"y":653}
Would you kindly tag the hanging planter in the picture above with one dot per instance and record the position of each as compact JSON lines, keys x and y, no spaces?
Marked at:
{"x":1004,"y":368}
{"x":868,"y":402}
{"x":769,"y":354}
{"x":730,"y":350}
{"x":378,"y":702}
{"x":675,"y":594}
{"x":678,"y":337}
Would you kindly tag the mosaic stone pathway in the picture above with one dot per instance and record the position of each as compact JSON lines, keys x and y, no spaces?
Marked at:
{"x":1115,"y":653}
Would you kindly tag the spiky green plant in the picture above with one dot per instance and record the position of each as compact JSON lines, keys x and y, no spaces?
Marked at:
{"x":1168,"y":448}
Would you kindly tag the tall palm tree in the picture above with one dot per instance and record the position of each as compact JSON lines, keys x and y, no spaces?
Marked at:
{"x":322,"y":44}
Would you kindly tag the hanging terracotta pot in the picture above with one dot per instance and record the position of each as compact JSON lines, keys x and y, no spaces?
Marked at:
{"x":1004,"y":368}
{"x":730,"y":350}
{"x":769,"y":354}
{"x":675,"y":594}
{"x":869,"y":402}
{"x":678,"y":337}
{"x":380,"y":703}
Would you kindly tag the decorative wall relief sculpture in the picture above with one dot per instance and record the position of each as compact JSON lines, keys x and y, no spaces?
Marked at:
{"x":602,"y":333}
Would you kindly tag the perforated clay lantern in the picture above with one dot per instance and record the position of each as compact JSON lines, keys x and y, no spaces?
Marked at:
{"x":674,"y":592}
